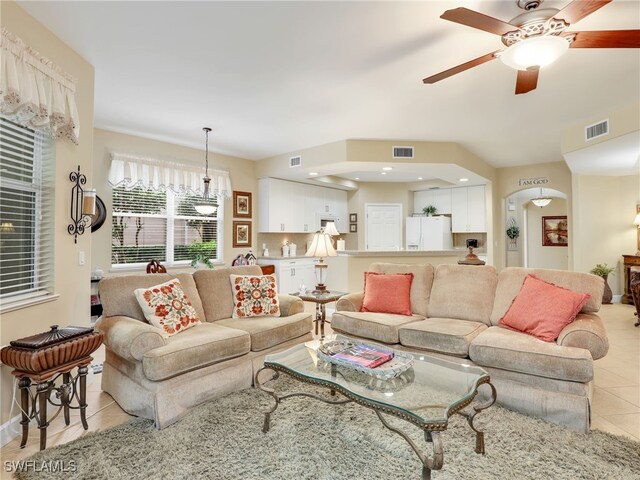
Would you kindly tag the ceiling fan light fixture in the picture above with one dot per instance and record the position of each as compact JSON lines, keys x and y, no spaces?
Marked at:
{"x":534,"y":52}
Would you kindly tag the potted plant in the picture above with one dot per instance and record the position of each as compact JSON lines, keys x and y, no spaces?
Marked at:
{"x":603,"y":270}
{"x":429,"y":210}
{"x":201,"y":253}
{"x":513,"y":233}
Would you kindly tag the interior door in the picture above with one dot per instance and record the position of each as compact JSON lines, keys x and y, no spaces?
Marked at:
{"x":383,"y":226}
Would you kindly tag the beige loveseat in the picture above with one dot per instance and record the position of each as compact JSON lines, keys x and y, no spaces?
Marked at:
{"x":456,"y":310}
{"x":161,"y":378}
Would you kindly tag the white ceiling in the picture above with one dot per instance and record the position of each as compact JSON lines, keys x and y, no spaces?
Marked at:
{"x":272,"y":77}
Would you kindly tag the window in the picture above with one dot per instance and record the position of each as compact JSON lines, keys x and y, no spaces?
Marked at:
{"x":161,"y":225}
{"x":27,"y":161}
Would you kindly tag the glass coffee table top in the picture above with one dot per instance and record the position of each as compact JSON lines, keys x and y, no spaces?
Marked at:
{"x":428,"y":393}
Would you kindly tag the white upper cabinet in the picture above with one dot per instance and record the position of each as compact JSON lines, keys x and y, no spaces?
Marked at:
{"x":297,"y":207}
{"x":439,"y":198}
{"x":468,"y":213}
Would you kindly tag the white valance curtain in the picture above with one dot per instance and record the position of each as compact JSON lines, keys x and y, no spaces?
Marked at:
{"x":132,"y":171}
{"x":36,"y":93}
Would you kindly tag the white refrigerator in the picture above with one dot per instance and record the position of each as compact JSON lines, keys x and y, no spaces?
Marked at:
{"x":428,"y":233}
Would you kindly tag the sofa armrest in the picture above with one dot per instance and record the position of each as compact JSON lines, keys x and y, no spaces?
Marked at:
{"x":586,"y":331}
{"x":351,"y":302}
{"x":129,"y":338}
{"x":290,"y":305}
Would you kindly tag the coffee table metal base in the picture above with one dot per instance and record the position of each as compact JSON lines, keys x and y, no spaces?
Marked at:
{"x":431,"y":431}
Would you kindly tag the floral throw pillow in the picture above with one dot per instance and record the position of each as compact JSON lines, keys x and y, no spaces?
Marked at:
{"x":254,"y":296}
{"x":167,"y":307}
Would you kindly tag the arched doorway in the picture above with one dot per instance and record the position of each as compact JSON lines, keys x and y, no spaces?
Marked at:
{"x":534,"y":248}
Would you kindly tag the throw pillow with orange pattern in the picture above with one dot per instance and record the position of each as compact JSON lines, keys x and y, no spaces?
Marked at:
{"x":254,"y":296}
{"x":167,"y":307}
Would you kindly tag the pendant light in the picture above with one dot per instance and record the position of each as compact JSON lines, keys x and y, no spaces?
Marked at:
{"x":541,"y":201}
{"x":206,"y":205}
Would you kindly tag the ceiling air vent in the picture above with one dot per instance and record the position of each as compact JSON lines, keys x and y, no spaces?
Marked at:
{"x":596,"y":130}
{"x":402,"y":152}
{"x":295,"y":161}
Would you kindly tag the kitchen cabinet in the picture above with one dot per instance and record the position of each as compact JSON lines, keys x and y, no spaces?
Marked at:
{"x":291,"y":273}
{"x":438,"y":197}
{"x":297,"y":207}
{"x":468,"y":213}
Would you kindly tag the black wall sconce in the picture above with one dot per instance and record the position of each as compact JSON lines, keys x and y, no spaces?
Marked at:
{"x":83,"y":205}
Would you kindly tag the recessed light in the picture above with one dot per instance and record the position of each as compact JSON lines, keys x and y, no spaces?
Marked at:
{"x":357,"y":178}
{"x":419,"y":178}
{"x":313,"y":174}
{"x":383,"y":173}
{"x":387,"y":168}
{"x":464,"y":179}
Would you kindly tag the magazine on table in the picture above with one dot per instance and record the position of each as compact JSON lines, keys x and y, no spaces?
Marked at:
{"x":368,"y":356}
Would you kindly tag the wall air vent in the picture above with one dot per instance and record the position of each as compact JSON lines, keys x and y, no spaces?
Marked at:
{"x":596,"y":130}
{"x":295,"y":161}
{"x":402,"y":152}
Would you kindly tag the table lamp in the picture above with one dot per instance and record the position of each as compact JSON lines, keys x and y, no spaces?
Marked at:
{"x":330,"y":229}
{"x":321,"y":246}
{"x":636,"y":222}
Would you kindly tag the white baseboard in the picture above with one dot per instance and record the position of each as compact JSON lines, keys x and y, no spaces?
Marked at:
{"x":10,"y":430}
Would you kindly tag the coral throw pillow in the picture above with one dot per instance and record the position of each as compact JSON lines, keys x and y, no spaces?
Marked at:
{"x":543,"y":309}
{"x":254,"y":296}
{"x":387,"y":293}
{"x":167,"y":307}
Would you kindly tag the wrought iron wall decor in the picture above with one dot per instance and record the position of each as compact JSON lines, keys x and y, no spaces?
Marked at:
{"x":83,"y":205}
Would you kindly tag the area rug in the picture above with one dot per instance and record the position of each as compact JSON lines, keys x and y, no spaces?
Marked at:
{"x":222,"y":439}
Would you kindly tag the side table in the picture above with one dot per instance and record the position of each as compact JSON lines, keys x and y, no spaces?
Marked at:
{"x":39,"y":361}
{"x":321,"y":300}
{"x":634,"y":287}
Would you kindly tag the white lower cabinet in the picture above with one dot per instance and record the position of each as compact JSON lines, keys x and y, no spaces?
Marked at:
{"x":291,"y":273}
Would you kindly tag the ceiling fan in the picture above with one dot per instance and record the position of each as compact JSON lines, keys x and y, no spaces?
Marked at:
{"x":536,"y":38}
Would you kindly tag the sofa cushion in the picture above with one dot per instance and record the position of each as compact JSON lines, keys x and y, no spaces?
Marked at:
{"x":543,"y":309}
{"x":254,"y":296}
{"x":443,"y":335}
{"x":267,"y":332}
{"x":502,"y":348}
{"x":167,"y":308}
{"x":511,"y":278}
{"x":382,"y":327}
{"x":465,"y":292}
{"x":118,"y":299}
{"x":420,"y":286}
{"x":215,"y":289}
{"x":202,"y":345}
{"x":387,"y":293}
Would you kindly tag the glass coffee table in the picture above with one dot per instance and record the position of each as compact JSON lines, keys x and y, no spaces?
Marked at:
{"x":426,"y":395}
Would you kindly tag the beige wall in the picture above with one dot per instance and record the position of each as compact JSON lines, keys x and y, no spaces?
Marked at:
{"x":539,"y":256}
{"x":71,"y":280}
{"x":603,"y":210}
{"x":242,"y":179}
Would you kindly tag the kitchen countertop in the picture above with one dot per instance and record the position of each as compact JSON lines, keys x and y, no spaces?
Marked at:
{"x":274,"y":258}
{"x":408,"y":253}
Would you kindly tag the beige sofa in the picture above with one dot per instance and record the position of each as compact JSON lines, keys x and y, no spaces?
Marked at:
{"x":456,"y":310}
{"x":161,"y":378}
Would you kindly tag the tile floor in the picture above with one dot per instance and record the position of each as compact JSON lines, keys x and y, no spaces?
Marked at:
{"x":616,"y":402}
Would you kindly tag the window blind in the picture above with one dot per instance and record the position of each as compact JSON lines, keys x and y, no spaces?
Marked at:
{"x":27,"y":165}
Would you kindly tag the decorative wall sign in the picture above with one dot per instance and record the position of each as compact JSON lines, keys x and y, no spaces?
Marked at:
{"x":241,"y":234}
{"x":242,"y":204}
{"x":555,"y":231}
{"x":533,"y":181}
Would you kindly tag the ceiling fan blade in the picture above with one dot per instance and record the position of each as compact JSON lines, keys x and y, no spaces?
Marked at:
{"x":606,"y":39}
{"x":527,"y":80}
{"x":461,"y":68}
{"x":578,"y":9}
{"x":474,"y":19}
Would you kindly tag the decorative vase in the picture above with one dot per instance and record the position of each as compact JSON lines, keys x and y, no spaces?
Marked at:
{"x":607,"y":295}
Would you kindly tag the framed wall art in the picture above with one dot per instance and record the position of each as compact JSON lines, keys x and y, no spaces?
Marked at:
{"x":353,"y":218}
{"x":555,"y":232}
{"x":353,"y":228}
{"x":242,"y":204}
{"x":241,"y":234}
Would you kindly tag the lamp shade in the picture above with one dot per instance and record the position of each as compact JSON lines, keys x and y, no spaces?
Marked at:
{"x":636,"y":221}
{"x":205,"y":208}
{"x":330,"y":229}
{"x":535,"y":52}
{"x":321,"y":246}
{"x":541,"y":201}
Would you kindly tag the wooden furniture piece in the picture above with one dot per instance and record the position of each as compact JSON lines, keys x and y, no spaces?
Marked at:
{"x":268,"y":269}
{"x":321,"y":300}
{"x":96,"y":308}
{"x":629,"y":261}
{"x":39,"y":361}
{"x":155,"y":266}
{"x":634,"y":281}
